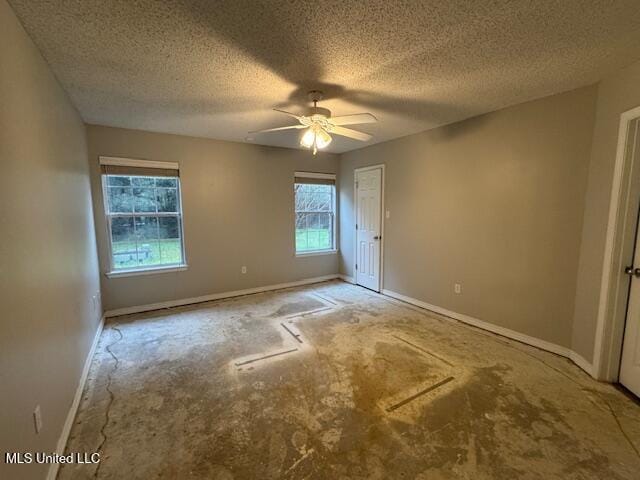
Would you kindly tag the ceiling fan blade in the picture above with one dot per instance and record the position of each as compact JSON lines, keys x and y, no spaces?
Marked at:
{"x":353,"y":119}
{"x":349,"y":133}
{"x":298,"y":117}
{"x":288,"y":127}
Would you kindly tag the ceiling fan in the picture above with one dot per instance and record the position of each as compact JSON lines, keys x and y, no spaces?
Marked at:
{"x":319,"y":124}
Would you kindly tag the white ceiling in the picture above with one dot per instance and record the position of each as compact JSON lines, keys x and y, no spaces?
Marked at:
{"x":216,"y":68}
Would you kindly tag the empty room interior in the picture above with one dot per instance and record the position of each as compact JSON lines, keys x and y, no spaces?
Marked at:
{"x":264,"y":239}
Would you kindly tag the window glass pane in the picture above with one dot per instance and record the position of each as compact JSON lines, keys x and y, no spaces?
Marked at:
{"x":143,"y":181}
{"x":169,"y":227}
{"x":325,"y":236}
{"x":324,"y":201}
{"x":118,"y":181}
{"x":146,"y":228}
{"x":314,"y":217}
{"x":170,"y":242}
{"x":313,"y":239}
{"x":166,"y":182}
{"x":301,"y":240}
{"x":319,"y":232}
{"x":314,"y":198}
{"x":299,"y":198}
{"x":313,"y":222}
{"x":147,"y":240}
{"x":301,"y":232}
{"x":144,"y":200}
{"x":123,"y":243}
{"x":167,"y":199}
{"x":120,"y":200}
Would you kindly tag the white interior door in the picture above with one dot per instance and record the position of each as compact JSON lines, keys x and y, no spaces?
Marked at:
{"x":368,"y":227}
{"x":630,"y":361}
{"x":630,"y":364}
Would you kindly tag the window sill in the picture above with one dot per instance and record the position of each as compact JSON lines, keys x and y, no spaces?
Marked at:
{"x":146,"y":271}
{"x":314,"y":253}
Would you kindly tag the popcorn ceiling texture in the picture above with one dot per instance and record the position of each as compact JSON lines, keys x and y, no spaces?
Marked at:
{"x":215,"y":69}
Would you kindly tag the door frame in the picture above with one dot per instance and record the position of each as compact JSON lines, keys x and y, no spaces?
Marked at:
{"x":382,"y":217}
{"x":612,"y":306}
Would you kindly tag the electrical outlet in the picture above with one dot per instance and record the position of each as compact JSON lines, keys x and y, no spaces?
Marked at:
{"x":37,"y":419}
{"x":457,"y":288}
{"x":387,"y":214}
{"x":243,"y":269}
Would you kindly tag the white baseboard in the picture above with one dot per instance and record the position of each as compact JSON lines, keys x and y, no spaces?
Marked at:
{"x":583,"y":363}
{"x":71,"y":415}
{"x":215,"y":296}
{"x":505,"y":332}
{"x":348,"y":279}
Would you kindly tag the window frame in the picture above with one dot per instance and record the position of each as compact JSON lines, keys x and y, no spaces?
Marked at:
{"x":114,"y":272}
{"x":334,"y":214}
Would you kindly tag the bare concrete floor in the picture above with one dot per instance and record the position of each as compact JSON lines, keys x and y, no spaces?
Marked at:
{"x":332,"y":381}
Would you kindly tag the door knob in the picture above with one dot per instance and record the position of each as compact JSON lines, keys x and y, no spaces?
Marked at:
{"x":632,"y":271}
{"x":378,"y":237}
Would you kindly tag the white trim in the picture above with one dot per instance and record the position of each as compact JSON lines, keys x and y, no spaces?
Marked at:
{"x":370,"y":167}
{"x":505,"y":332}
{"x":582,"y":362}
{"x":146,"y":271}
{"x":383,"y":236}
{"x":334,"y":215}
{"x":315,"y":253}
{"x":347,"y":278}
{"x":216,"y":296}
{"x":71,"y":415}
{"x":327,"y":176}
{"x":133,"y":162}
{"x":604,"y":366}
{"x":109,"y":216}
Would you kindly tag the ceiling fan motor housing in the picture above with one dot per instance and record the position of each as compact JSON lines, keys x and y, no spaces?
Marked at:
{"x":325,"y":112}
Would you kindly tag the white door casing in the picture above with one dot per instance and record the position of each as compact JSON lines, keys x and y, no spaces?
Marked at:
{"x":368,"y":184}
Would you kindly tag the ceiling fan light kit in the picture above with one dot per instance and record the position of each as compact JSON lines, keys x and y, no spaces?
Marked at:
{"x":319,"y":124}
{"x":315,"y":137}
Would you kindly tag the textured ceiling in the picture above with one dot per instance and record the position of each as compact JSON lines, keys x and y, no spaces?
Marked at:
{"x":216,"y":68}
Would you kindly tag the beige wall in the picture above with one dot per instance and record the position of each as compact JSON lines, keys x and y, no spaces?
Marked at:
{"x":616,"y":94}
{"x":48,"y":262}
{"x":494,"y":203}
{"x":238,"y":210}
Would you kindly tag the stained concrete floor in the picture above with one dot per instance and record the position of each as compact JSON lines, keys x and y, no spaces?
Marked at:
{"x":332,"y":381}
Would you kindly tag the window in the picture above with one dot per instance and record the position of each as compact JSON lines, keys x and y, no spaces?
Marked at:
{"x":144,"y":216}
{"x":315,"y":200}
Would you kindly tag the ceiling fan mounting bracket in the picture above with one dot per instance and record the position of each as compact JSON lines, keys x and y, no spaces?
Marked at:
{"x":315,"y":95}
